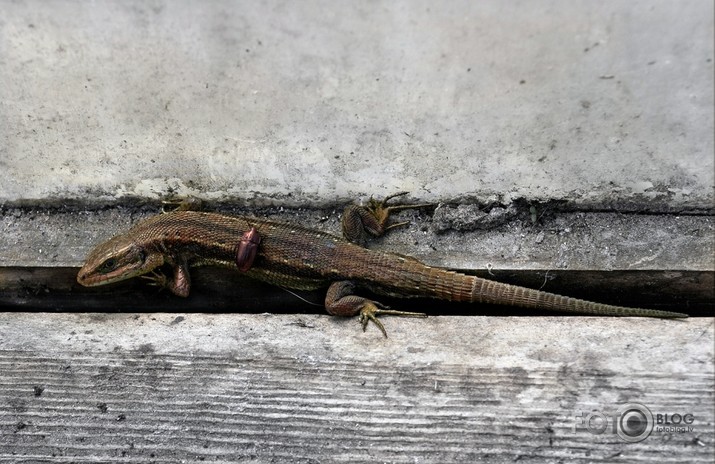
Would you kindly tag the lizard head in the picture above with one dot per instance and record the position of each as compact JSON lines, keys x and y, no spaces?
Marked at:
{"x":117,"y":259}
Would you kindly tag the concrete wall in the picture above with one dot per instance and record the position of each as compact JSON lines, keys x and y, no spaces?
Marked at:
{"x":599,"y":103}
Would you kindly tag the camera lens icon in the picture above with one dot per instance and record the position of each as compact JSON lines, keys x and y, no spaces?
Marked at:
{"x":634,"y":422}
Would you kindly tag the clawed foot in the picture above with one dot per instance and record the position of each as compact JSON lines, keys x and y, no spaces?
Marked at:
{"x":372,"y":309}
{"x":342,"y":301}
{"x":362,"y":222}
{"x":181,"y":204}
{"x":157,"y":279}
{"x":179,"y":284}
{"x":382,"y":212}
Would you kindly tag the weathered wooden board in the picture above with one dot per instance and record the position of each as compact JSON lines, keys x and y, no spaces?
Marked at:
{"x":130,"y":388}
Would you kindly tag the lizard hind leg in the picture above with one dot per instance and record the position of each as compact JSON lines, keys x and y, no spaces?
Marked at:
{"x":181,"y":204}
{"x":340,"y":301}
{"x":361,"y":223}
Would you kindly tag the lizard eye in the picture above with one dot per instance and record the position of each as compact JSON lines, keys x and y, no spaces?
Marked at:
{"x":108,"y":266}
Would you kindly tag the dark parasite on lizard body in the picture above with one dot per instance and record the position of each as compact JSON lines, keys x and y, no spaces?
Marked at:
{"x":299,"y":258}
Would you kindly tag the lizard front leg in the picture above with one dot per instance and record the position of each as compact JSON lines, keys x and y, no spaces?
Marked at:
{"x":361,"y":223}
{"x":341,"y":301}
{"x":179,"y":284}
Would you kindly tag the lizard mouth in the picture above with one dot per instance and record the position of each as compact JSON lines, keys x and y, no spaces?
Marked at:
{"x":115,"y":267}
{"x":88,"y":278}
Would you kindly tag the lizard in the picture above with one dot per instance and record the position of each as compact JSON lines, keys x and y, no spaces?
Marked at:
{"x":296,"y":257}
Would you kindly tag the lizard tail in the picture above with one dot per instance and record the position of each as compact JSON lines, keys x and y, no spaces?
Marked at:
{"x":488,"y":291}
{"x":455,"y":286}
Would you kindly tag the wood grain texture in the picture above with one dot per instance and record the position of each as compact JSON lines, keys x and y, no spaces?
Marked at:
{"x":162,"y":387}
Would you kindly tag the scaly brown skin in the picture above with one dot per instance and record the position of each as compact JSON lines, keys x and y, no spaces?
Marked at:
{"x":299,"y":258}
